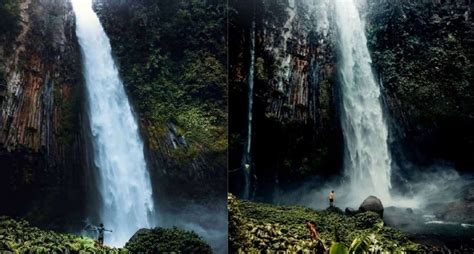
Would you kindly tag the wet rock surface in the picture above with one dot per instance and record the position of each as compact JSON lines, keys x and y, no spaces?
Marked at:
{"x":350,"y":211}
{"x":42,"y":148}
{"x":372,"y":204}
{"x":432,"y":232}
{"x":295,"y":103}
{"x":460,"y":211}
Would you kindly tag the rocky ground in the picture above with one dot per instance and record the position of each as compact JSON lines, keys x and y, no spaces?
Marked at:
{"x":265,"y":227}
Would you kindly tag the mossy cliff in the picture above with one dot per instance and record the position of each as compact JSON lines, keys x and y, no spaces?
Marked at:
{"x":172,"y":57}
{"x":255,"y":227}
{"x":423,"y":53}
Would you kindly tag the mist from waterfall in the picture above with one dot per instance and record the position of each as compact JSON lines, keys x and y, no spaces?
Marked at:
{"x":367,"y":158}
{"x":124,"y":182}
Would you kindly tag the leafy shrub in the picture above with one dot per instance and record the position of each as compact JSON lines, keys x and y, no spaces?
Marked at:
{"x":20,"y":237}
{"x":255,"y":227}
{"x":160,"y":240}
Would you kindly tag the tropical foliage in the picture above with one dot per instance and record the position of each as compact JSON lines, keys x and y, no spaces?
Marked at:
{"x":173,"y":66}
{"x":20,"y":237}
{"x":257,"y":227}
{"x":167,"y":240}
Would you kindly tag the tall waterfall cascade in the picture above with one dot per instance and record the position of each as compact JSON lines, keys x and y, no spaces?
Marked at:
{"x":367,"y":159}
{"x":124,"y":182}
{"x":247,"y":160}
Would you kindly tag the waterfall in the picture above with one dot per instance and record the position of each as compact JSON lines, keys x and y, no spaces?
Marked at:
{"x":367,"y":158}
{"x":124,"y":183}
{"x":247,"y":159}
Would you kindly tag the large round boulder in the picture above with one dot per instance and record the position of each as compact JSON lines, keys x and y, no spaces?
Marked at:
{"x":373,"y":204}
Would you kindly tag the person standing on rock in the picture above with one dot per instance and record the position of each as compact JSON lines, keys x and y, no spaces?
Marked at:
{"x":331,"y":198}
{"x":101,"y":231}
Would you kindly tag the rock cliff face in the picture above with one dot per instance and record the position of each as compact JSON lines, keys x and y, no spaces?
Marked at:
{"x":41,"y":147}
{"x":44,"y":138}
{"x":296,"y":122}
{"x":422,"y":54}
{"x":171,"y":55}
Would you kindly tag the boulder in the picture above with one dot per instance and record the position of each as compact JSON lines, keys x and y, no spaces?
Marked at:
{"x":373,"y":204}
{"x":334,"y":209}
{"x":350,"y":211}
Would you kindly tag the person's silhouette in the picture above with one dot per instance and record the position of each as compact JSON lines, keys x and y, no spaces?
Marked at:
{"x":101,"y":231}
{"x":331,"y":198}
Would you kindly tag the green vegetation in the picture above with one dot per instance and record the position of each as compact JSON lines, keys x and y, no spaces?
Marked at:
{"x":20,"y":237}
{"x":161,"y":240}
{"x":173,"y":66}
{"x":258,"y":227}
{"x":68,"y":108}
{"x":423,"y":53}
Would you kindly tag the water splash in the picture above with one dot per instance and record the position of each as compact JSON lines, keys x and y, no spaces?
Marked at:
{"x":367,"y":159}
{"x":125,"y":186}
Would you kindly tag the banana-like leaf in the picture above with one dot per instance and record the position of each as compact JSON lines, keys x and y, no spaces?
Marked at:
{"x":360,"y":245}
{"x":338,"y":248}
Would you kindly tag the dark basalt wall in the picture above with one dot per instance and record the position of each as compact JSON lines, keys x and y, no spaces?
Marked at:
{"x":41,"y":142}
{"x":296,"y":125}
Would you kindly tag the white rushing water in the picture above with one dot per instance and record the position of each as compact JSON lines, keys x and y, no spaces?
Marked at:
{"x":367,"y":159}
{"x":247,"y":159}
{"x":125,"y":186}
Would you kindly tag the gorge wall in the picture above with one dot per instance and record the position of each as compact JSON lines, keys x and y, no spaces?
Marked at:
{"x":172,"y":58}
{"x":296,"y":124}
{"x":41,"y":142}
{"x":422,"y":53}
{"x":175,"y":79}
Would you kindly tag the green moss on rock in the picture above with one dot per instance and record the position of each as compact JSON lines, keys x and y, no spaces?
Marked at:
{"x":173,"y":68}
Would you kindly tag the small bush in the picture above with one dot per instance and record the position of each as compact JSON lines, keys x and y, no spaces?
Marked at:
{"x":160,"y":240}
